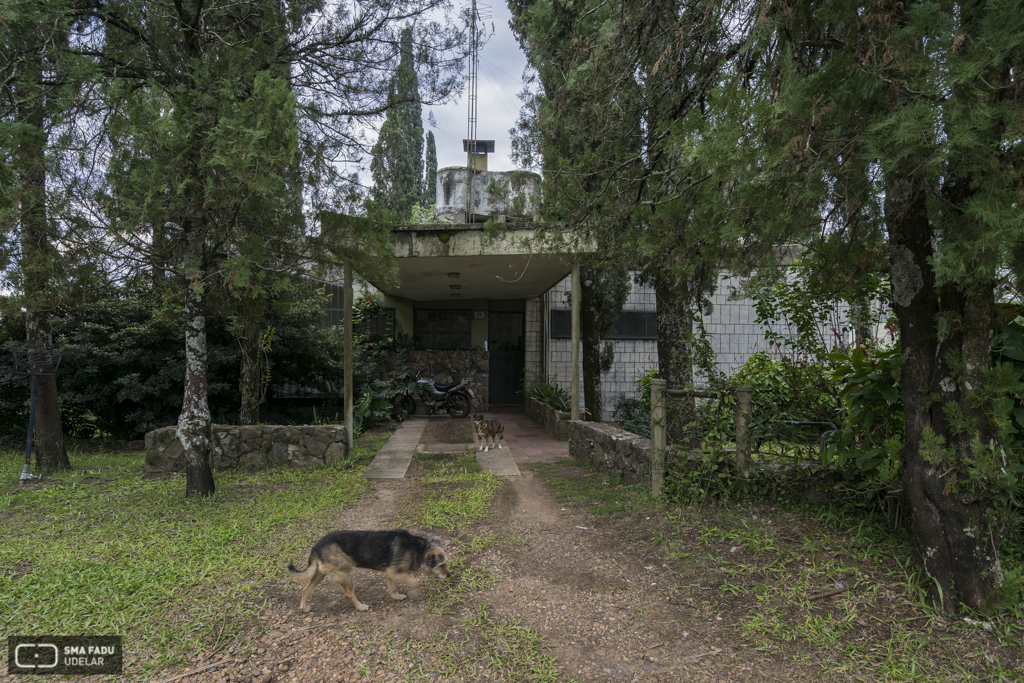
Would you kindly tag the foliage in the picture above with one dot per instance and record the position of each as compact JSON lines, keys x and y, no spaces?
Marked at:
{"x":872,"y":436}
{"x":786,"y":389}
{"x":122,"y":369}
{"x":397,"y":158}
{"x":634,"y":413}
{"x":809,"y":318}
{"x":376,"y":400}
{"x":550,"y":393}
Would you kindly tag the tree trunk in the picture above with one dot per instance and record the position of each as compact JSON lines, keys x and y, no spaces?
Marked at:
{"x":956,"y":545}
{"x":252,"y":379}
{"x":194,"y":429}
{"x":39,"y":261}
{"x":590,"y":339}
{"x":675,"y":361}
{"x":51,"y":454}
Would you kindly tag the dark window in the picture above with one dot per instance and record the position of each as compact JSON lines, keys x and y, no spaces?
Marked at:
{"x":442,"y":328}
{"x":505,"y":331}
{"x":629,"y":325}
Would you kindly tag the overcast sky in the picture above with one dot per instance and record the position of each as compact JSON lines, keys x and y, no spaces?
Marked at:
{"x":499,"y":84}
{"x":500,"y":81}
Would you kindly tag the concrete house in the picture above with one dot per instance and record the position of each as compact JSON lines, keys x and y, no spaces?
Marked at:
{"x":492,"y":305}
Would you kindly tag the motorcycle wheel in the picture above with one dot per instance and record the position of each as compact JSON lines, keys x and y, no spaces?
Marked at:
{"x":404,"y":407}
{"x":458,"y":405}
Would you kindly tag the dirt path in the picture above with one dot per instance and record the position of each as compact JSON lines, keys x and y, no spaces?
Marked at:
{"x":601,"y":608}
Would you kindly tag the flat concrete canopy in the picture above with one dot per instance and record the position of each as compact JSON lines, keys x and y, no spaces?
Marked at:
{"x":460,"y":261}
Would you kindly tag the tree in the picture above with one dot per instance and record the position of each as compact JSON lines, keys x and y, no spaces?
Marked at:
{"x":890,"y":134}
{"x":622,"y":88}
{"x":40,"y":100}
{"x":397,"y":162}
{"x":214,"y":108}
{"x":604,"y":287}
{"x":430,"y":173}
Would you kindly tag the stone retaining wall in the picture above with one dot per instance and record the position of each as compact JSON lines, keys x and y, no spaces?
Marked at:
{"x":554,"y":421}
{"x":611,"y":449}
{"x":252,"y":447}
{"x":605,"y":446}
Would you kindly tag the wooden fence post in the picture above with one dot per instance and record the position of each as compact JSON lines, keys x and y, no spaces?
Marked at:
{"x":658,"y":436}
{"x":744,"y":407}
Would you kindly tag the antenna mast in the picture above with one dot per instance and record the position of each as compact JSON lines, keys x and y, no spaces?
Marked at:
{"x":473,"y":68}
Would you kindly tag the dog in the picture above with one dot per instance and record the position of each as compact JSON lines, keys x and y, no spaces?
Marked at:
{"x":397,"y":553}
{"x":490,"y":432}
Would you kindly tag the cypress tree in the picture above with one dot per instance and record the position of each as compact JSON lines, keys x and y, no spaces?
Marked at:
{"x":397,"y":163}
{"x":430,"y":173}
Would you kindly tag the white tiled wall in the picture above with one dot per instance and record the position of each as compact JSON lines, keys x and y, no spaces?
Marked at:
{"x":731,"y":328}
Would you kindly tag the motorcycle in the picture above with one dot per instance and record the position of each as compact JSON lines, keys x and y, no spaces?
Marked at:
{"x":455,"y":398}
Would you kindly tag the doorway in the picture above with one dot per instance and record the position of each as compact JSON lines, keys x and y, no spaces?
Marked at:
{"x":506,"y":334}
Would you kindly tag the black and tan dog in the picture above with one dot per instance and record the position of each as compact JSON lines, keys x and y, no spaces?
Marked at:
{"x":397,"y":553}
{"x":489,"y":432}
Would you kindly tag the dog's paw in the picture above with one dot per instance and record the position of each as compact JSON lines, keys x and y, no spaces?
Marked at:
{"x":361,"y":607}
{"x":398,"y":596}
{"x":306,"y":608}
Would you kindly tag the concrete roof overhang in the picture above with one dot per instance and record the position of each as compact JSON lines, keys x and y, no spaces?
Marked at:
{"x":438,"y":261}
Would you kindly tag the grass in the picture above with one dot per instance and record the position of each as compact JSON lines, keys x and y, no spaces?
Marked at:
{"x":457,"y":493}
{"x":602,"y":494}
{"x":479,"y":647}
{"x":765,"y":564}
{"x":104,"y":549}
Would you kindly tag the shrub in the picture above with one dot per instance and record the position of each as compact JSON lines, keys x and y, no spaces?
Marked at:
{"x":634,"y":413}
{"x":549,"y":393}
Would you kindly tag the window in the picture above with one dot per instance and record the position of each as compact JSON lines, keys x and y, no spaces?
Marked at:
{"x":442,"y":328}
{"x":629,"y":325}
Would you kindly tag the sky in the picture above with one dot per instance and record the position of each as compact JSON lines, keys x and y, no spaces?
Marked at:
{"x":499,"y":84}
{"x":500,"y":81}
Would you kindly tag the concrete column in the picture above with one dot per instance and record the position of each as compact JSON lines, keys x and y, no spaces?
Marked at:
{"x":744,"y":406}
{"x":347,"y":322}
{"x":575,"y":411}
{"x":659,"y":440}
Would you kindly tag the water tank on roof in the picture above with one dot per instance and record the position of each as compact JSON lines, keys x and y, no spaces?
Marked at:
{"x":492,"y":194}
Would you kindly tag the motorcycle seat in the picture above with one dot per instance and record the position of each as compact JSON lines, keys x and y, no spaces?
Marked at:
{"x":445,"y":387}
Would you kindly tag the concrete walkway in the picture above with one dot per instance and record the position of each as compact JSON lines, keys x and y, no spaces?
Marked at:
{"x":525,"y":442}
{"x":392,"y":461}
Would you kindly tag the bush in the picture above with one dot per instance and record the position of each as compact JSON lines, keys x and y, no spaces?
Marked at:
{"x":549,"y":393}
{"x":122,"y":370}
{"x":634,"y":413}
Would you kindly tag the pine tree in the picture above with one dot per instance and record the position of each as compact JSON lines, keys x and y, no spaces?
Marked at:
{"x":397,"y":157}
{"x":430,"y":173}
{"x":206,"y":140}
{"x":888,"y":136}
{"x":41,"y":96}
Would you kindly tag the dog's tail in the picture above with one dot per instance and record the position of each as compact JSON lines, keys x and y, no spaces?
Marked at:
{"x":303,"y":574}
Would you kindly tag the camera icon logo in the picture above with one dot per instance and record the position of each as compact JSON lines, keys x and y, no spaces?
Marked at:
{"x":36,"y":656}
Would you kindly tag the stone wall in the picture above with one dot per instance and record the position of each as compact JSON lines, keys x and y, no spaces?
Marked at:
{"x":252,"y":447}
{"x":443,"y":367}
{"x":554,"y":421}
{"x":611,"y":449}
{"x":605,"y":446}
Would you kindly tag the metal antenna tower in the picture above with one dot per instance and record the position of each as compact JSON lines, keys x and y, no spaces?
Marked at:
{"x":476,"y":13}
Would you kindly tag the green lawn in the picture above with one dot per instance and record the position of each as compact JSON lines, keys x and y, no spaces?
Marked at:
{"x":107,"y":550}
